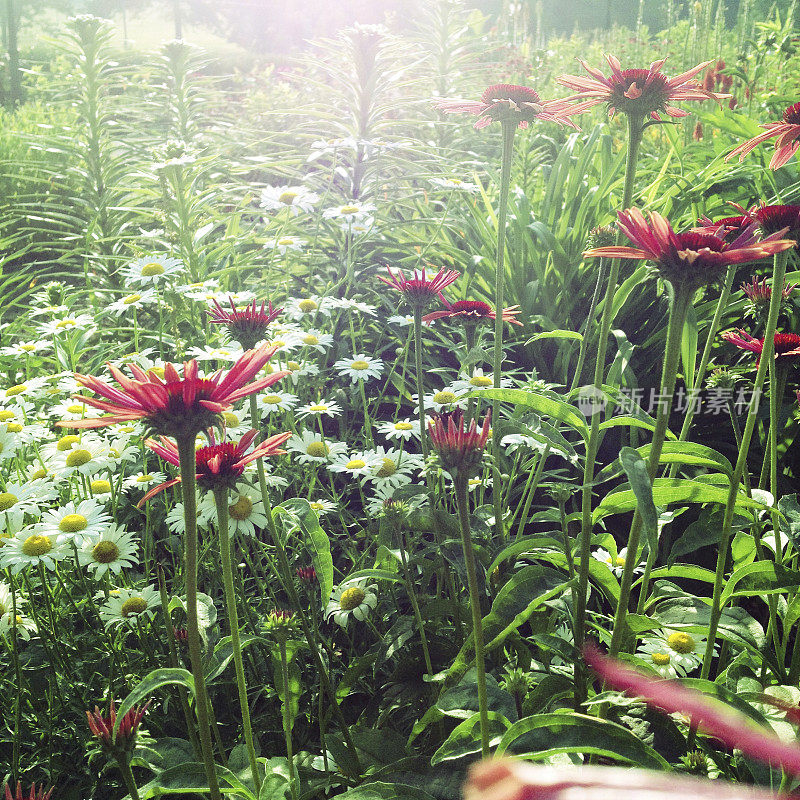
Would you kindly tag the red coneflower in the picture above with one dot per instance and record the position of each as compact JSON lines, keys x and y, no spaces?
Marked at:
{"x":788,"y":133}
{"x":103,"y":727}
{"x":638,"y":92}
{"x":727,"y":228}
{"x":247,"y":325}
{"x":459,"y":449}
{"x":306,"y":574}
{"x":787,"y":345}
{"x":505,"y":102}
{"x":759,"y":293}
{"x":33,"y":794}
{"x":178,"y":407}
{"x":690,"y":259}
{"x":217,"y":465}
{"x":772,"y":219}
{"x":420,"y":290}
{"x":472,"y":312}
{"x":731,"y":727}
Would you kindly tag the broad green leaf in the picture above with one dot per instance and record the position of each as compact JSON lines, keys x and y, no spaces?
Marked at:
{"x":376,"y":790}
{"x":636,"y":469}
{"x":223,"y":653}
{"x":763,"y":577}
{"x":465,"y":739}
{"x":693,"y":614}
{"x":544,"y":735}
{"x":790,"y":524}
{"x":556,"y":335}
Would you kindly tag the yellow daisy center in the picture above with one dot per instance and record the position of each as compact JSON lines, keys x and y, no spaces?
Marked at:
{"x":359,"y":365}
{"x":444,"y":398}
{"x":310,"y":339}
{"x":231,"y":420}
{"x":159,"y":371}
{"x":317,"y":450}
{"x":144,"y":478}
{"x":681,"y":642}
{"x":286,"y":242}
{"x":316,"y":505}
{"x":77,"y":458}
{"x":7,"y":500}
{"x":38,"y":474}
{"x":293,"y":365}
{"x":133,"y":605}
{"x":388,"y":468}
{"x":73,"y":523}
{"x":105,"y":552}
{"x":242,"y":508}
{"x":318,"y":408}
{"x":403,"y":426}
{"x":349,"y":210}
{"x":351,"y":598}
{"x":355,"y":463}
{"x":660,"y":659}
{"x":76,"y":408}
{"x":480,"y":381}
{"x":12,"y":391}
{"x":271,"y":399}
{"x":100,"y":486}
{"x":27,"y":348}
{"x":5,"y":414}
{"x":14,"y":427}
{"x":130,"y":299}
{"x":65,"y":323}
{"x":65,"y":442}
{"x":152,"y":269}
{"x":619,"y":561}
{"x":287,"y":197}
{"x":37,"y":545}
{"x":307,"y":306}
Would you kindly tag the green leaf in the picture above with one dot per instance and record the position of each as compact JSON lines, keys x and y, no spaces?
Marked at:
{"x":316,"y":539}
{"x":790,"y":524}
{"x":223,"y":653}
{"x":556,"y":335}
{"x":544,"y":735}
{"x":154,"y":680}
{"x":691,"y":453}
{"x":636,"y":469}
{"x":763,"y":577}
{"x":377,"y":790}
{"x":542,"y":404}
{"x":465,"y":740}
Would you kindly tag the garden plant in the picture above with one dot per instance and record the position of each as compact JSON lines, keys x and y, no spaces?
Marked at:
{"x":430,"y":400}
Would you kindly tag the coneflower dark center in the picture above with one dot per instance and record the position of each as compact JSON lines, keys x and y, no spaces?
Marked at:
{"x":507,"y":91}
{"x":792,"y":115}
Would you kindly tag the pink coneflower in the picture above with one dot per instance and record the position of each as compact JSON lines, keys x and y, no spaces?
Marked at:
{"x":638,"y":92}
{"x":33,"y":794}
{"x":787,"y":345}
{"x":727,"y":228}
{"x":472,"y":312}
{"x":732,"y":728}
{"x":217,"y":465}
{"x":103,"y":727}
{"x":759,"y":293}
{"x":420,"y":290}
{"x":459,"y":449}
{"x":505,"y":102}
{"x":178,"y":407}
{"x":691,"y":259}
{"x":247,"y":325}
{"x":778,"y":218}
{"x":512,"y":779}
{"x":788,"y":133}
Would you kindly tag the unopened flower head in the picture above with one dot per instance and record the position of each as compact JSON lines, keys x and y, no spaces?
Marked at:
{"x":759,"y":294}
{"x":460,"y":449}
{"x":33,"y":793}
{"x":102,"y":726}
{"x":637,"y":92}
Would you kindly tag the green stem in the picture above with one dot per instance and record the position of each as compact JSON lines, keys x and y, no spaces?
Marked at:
{"x":767,"y":355}
{"x":592,"y":446}
{"x":423,"y":433}
{"x":221,"y":501}
{"x":127,"y":777}
{"x":17,"y":677}
{"x":677,"y":317}
{"x":186,"y":455}
{"x":461,"y":490}
{"x":509,"y":129}
{"x":412,"y":595}
{"x":601,"y":276}
{"x":287,"y":725}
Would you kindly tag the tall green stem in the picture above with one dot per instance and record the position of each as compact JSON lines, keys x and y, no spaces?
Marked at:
{"x":592,"y":446}
{"x":287,"y":726}
{"x":461,"y":489}
{"x":767,"y":355}
{"x":423,"y":433}
{"x":186,"y":455}
{"x":221,"y":501}
{"x":127,"y":776}
{"x":509,"y":129}
{"x":672,"y":354}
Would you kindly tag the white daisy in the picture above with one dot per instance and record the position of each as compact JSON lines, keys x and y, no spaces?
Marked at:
{"x":176,"y":522}
{"x":109,"y":551}
{"x":319,"y":408}
{"x":310,"y":446}
{"x":356,"y":465}
{"x":394,"y":467}
{"x":403,"y":429}
{"x":616,"y":563}
{"x":78,"y":522}
{"x":66,"y":324}
{"x":353,"y":598}
{"x":87,"y":457}
{"x":359,"y":226}
{"x":277,"y":401}
{"x":132,"y":302}
{"x":71,"y":409}
{"x":300,"y":369}
{"x":144,"y":481}
{"x":477,"y":381}
{"x":353,"y":211}
{"x":348,"y":304}
{"x":455,"y":184}
{"x":300,"y":308}
{"x":28,"y":389}
{"x":359,"y":368}
{"x":200,"y":290}
{"x":321,"y":506}
{"x":25,"y":348}
{"x":151,"y":270}
{"x":443,"y":400}
{"x":297,"y":199}
{"x":121,"y":449}
{"x":673,"y":653}
{"x":129,"y":606}
{"x":513,"y":441}
{"x":208,"y":353}
{"x":285,"y":341}
{"x":284,"y":244}
{"x":101,"y":489}
{"x":31,"y":547}
{"x":9,"y":444}
{"x":18,"y":499}
{"x":316,"y":340}
{"x":237,"y":423}
{"x":25,"y":625}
